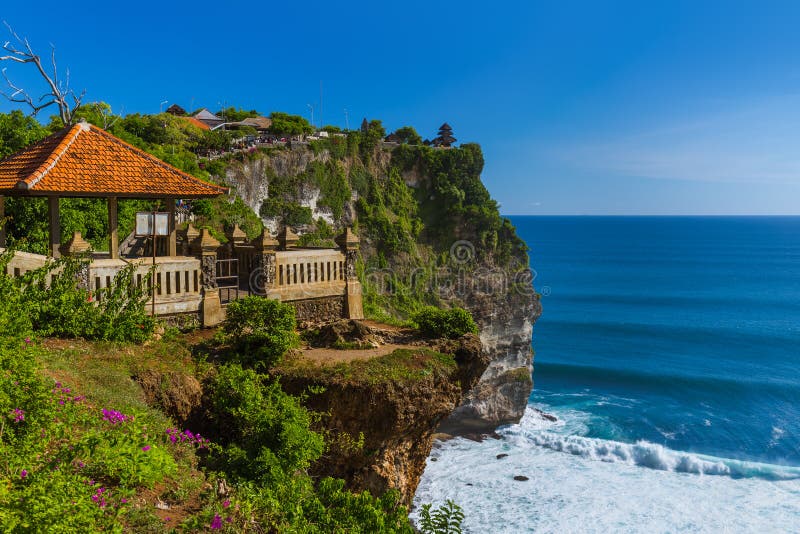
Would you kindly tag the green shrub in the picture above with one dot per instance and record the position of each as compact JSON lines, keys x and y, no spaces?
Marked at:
{"x":265,"y":431}
{"x":48,"y":302}
{"x":261,"y":330}
{"x":451,"y":323}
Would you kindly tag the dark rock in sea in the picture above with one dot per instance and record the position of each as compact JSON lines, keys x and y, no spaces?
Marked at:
{"x":521,"y":478}
{"x":503,"y":455}
{"x":434,"y":459}
{"x":469,"y":483}
{"x":545,"y":415}
{"x":495,"y":435}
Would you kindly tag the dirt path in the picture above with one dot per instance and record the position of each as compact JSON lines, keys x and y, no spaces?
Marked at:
{"x":327,"y":356}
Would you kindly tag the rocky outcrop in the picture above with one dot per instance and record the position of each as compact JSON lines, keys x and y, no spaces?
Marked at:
{"x":397,"y":419}
{"x":505,"y":309}
{"x":177,"y":394}
{"x":501,"y":395}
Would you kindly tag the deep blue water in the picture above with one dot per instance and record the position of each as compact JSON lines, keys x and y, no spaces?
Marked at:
{"x":682,"y":331}
{"x":669,"y":350}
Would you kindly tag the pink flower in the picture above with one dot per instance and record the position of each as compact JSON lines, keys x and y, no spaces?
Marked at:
{"x":226,"y":503}
{"x":146,"y":448}
{"x":216,"y":523}
{"x":23,"y":473}
{"x":18,"y":415}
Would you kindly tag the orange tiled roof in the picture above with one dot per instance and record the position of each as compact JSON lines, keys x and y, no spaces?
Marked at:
{"x":200,"y":124}
{"x":84,"y":160}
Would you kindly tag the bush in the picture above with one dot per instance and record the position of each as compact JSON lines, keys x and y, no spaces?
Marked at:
{"x":452,"y":323}
{"x":267,"y":432}
{"x":47,"y":301}
{"x":261,"y":330}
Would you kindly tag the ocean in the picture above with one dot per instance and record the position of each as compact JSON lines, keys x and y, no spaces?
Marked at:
{"x":669,"y":351}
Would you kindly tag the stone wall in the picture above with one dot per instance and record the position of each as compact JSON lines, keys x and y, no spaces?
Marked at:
{"x":324,"y":309}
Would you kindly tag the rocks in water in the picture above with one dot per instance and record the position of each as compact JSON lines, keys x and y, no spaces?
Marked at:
{"x":500,"y":456}
{"x":521,"y":478}
{"x":544,"y":415}
{"x":434,"y":459}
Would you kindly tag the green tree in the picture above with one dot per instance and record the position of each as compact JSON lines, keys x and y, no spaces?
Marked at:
{"x":408,"y":135}
{"x":17,"y":131}
{"x":231,"y":114}
{"x":285,"y":124}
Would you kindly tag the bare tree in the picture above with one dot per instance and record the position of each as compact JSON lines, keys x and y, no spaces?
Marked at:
{"x":59,"y":93}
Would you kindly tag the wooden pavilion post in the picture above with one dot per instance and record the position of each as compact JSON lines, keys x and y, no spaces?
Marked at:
{"x":2,"y":221}
{"x":172,"y":242}
{"x":55,"y":226}
{"x":113,"y":238}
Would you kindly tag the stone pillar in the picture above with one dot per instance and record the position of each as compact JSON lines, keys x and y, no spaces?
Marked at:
{"x":113,"y":238}
{"x":262,"y":280}
{"x":287,"y":238}
{"x":172,"y":240}
{"x":77,"y":246}
{"x":353,"y":306}
{"x":2,"y":221}
{"x":205,"y":246}
{"x":189,"y":235}
{"x":55,"y":227}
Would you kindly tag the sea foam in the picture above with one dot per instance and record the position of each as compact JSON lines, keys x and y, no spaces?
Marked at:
{"x":580,"y":484}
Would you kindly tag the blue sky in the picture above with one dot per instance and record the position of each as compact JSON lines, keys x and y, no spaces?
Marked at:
{"x":581,"y":107}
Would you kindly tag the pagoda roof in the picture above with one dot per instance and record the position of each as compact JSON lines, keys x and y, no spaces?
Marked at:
{"x":445,"y":126}
{"x":85,"y":161}
{"x":175,"y":109}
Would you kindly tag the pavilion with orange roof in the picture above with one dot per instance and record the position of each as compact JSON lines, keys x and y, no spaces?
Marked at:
{"x":85,"y":161}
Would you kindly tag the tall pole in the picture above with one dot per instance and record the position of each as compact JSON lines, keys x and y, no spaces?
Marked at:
{"x":346,"y":121}
{"x":153,"y":272}
{"x":312,"y":114}
{"x":161,"y":106}
{"x":320,"y":105}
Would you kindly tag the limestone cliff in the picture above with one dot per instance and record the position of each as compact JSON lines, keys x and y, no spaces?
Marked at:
{"x":396,"y":415}
{"x":430,"y":234}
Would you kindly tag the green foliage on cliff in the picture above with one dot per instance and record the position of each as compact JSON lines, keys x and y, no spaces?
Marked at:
{"x":401,"y":365}
{"x":449,"y":323}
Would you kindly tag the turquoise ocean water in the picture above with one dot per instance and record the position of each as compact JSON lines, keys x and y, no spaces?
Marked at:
{"x":669,"y":350}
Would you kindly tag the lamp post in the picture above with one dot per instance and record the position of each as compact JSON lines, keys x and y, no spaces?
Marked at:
{"x":312,"y":114}
{"x":161,"y":106}
{"x":346,"y":121}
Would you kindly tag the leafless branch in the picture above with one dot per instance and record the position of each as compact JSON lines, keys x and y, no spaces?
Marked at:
{"x":59,"y":93}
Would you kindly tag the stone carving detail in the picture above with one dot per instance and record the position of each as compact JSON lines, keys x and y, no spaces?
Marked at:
{"x":209,"y":266}
{"x":269,"y":269}
{"x":350,"y":264}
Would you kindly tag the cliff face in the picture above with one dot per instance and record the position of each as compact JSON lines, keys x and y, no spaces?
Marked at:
{"x":397,"y":419}
{"x":413,"y":207}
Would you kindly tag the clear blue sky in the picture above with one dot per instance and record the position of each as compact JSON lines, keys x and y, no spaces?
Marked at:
{"x":581,"y":107}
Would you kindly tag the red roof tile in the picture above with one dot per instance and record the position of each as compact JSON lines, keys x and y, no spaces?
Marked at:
{"x":84,"y":160}
{"x":198,"y":123}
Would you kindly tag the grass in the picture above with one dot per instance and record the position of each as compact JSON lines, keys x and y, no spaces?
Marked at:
{"x":402,"y":365}
{"x":103,"y":370}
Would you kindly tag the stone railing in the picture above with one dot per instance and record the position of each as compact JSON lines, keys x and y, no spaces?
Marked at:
{"x":177,"y":281}
{"x":22,"y":262}
{"x":307,"y":274}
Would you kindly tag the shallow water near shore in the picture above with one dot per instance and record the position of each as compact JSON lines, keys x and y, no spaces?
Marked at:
{"x":669,"y":350}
